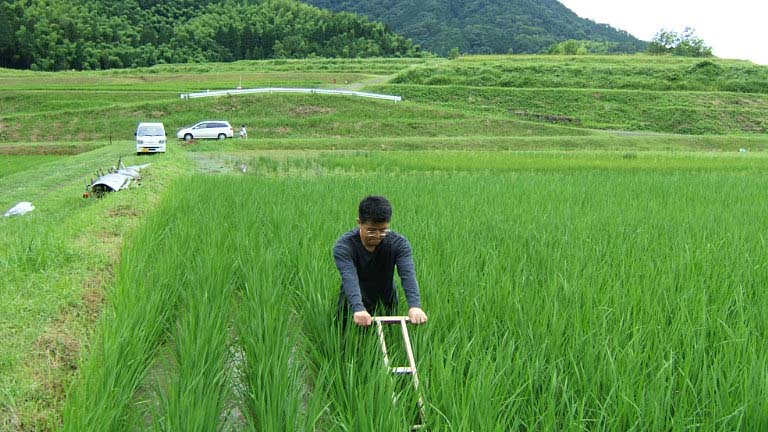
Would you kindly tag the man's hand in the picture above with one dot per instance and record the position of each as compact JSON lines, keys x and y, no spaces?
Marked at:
{"x":417,"y":316}
{"x":363,"y":318}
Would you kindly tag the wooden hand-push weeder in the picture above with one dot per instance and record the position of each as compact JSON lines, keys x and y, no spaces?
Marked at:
{"x":398,"y":370}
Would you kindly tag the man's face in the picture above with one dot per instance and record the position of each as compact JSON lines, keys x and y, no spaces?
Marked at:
{"x":373,"y":233}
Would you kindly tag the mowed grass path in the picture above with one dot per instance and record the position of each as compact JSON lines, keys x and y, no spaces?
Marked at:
{"x":55,"y":265}
{"x":599,"y":299}
{"x":10,"y":164}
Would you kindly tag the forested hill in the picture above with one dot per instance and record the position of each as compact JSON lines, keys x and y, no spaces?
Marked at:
{"x":486,"y":26}
{"x":101,"y":34}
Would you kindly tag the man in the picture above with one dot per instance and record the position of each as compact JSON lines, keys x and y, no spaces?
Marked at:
{"x":366,"y":258}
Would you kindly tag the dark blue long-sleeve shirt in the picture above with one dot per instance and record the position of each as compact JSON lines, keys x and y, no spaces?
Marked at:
{"x":367,"y":278}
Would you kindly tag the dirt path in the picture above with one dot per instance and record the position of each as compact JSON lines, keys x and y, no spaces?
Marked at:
{"x":356,"y":86}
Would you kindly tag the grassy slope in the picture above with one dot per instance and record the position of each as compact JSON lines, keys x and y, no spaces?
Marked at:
{"x":693,"y":113}
{"x":267,"y":116}
{"x":54,"y":265}
{"x":636,"y":72}
{"x":181,"y":81}
{"x":614,"y":92}
{"x":660,"y":94}
{"x":188,"y":77}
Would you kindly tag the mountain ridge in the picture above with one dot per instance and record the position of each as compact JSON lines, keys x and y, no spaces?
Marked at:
{"x":486,"y":26}
{"x":53,"y":35}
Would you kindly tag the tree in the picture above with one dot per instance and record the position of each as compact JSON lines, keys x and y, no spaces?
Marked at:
{"x":584,"y":47}
{"x":685,"y":44}
{"x":91,"y":34}
{"x":7,"y":40}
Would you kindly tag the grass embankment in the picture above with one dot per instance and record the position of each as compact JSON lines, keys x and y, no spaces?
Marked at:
{"x":87,"y":106}
{"x":338,"y":122}
{"x":558,"y":298}
{"x":187,"y":82}
{"x":55,"y":264}
{"x":618,"y":72}
{"x":378,"y":66}
{"x":693,"y":113}
{"x":588,"y":92}
{"x":270,"y":116}
{"x":635,"y":93}
{"x":192,"y":77}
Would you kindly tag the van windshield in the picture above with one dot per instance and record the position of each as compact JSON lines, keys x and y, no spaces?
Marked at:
{"x":151,"y":131}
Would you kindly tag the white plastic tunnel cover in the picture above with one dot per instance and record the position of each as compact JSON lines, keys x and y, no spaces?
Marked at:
{"x":20,"y":209}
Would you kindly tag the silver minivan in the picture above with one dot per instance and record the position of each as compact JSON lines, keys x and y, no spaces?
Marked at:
{"x":212,"y":129}
{"x":150,"y":138}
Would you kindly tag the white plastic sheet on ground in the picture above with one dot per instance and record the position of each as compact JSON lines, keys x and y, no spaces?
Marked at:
{"x":20,"y":209}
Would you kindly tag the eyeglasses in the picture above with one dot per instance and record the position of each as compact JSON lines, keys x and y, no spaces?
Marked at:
{"x":372,"y":232}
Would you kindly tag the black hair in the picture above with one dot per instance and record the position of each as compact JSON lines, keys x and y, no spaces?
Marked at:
{"x":374,"y":208}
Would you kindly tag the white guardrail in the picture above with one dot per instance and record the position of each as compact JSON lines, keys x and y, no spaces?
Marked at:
{"x":289,"y":90}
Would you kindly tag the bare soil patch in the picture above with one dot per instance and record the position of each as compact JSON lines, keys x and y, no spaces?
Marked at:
{"x":282,"y":130}
{"x":123,"y":210}
{"x":310,"y":110}
{"x":60,"y":349}
{"x":551,"y":118}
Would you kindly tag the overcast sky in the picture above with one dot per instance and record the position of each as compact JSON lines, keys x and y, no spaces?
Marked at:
{"x":734,"y":29}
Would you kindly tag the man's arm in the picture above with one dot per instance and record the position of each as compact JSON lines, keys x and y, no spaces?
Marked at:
{"x":349,"y":282}
{"x":407,"y":271}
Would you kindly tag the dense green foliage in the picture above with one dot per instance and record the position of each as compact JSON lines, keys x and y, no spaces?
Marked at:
{"x":91,"y":34}
{"x":484,"y":27}
{"x":685,"y":44}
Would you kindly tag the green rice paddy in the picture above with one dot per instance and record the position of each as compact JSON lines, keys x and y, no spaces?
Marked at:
{"x":559,"y":299}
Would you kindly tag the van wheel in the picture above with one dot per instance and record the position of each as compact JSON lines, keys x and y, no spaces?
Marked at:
{"x":188,"y":137}
{"x":222,"y":137}
{"x":138,"y":153}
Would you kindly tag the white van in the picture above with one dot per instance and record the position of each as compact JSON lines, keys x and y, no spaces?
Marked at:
{"x":150,"y":138}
